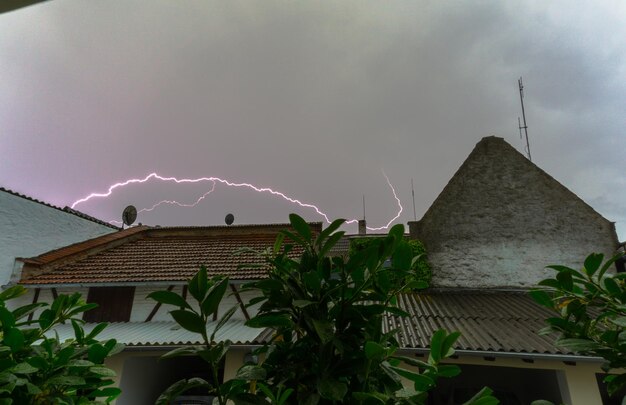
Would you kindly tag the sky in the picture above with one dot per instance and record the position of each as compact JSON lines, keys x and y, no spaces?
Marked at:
{"x":317,"y":100}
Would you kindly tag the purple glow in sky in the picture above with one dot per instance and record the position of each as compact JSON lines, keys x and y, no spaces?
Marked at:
{"x":309,"y":98}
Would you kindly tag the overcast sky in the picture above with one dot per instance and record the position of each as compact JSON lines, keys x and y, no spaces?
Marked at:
{"x":314,"y":99}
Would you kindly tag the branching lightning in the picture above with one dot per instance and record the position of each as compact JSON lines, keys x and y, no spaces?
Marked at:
{"x":228,"y":183}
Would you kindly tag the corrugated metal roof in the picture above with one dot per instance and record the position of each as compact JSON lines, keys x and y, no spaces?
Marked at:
{"x":166,"y":333}
{"x":488,"y":321}
{"x":498,"y":322}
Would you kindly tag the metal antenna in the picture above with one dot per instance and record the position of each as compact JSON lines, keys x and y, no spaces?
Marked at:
{"x":525,"y":127}
{"x":413,"y":194}
{"x":363,"y":206}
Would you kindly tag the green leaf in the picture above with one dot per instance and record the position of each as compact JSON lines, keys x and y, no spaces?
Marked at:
{"x":300,"y":226}
{"x":96,"y":330}
{"x":582,"y":345}
{"x":421,"y":382}
{"x":448,"y":370}
{"x":69,"y":380}
{"x":542,"y":298}
{"x":198,"y":285}
{"x":32,"y":389}
{"x":336,"y":224}
{"x":565,"y":279}
{"x":251,"y":372}
{"x":332,"y":389}
{"x":541,"y":402}
{"x":213,"y":298}
{"x":482,"y":397}
{"x":80,"y":363}
{"x":449,"y":341}
{"x":189,"y":320}
{"x":270,"y":321}
{"x":223,"y":319}
{"x":302,"y":303}
{"x":169,"y":298}
{"x":621,"y":321}
{"x":592,"y":263}
{"x":24,"y":368}
{"x":373,"y":350}
{"x":97,"y":353}
{"x":102,"y":371}
{"x":436,"y":344}
{"x":324,"y":329}
{"x":332,"y":241}
{"x":26,"y":310}
{"x":180,"y":387}
{"x":612,"y":287}
{"x":14,"y":338}
{"x":12,"y":292}
{"x":278,"y":243}
{"x":6,"y":318}
{"x":402,"y":257}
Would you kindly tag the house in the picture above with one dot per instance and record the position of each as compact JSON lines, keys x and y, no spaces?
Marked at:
{"x":30,"y":227}
{"x":117,"y":271}
{"x":490,"y":234}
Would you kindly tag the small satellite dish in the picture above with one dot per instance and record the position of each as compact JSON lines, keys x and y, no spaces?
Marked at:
{"x":230,"y":218}
{"x":129,"y":215}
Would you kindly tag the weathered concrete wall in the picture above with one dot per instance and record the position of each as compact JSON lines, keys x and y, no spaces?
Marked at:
{"x":28,"y":228}
{"x":501,"y":220}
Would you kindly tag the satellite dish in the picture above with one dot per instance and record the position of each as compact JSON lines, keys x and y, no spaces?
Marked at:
{"x":230,"y":218}
{"x":129,"y":215}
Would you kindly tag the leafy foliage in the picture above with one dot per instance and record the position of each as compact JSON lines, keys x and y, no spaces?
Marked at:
{"x":590,"y":309}
{"x":329,"y":345}
{"x":327,"y":314}
{"x":208,"y":294}
{"x":37,"y":369}
{"x":421,"y":267}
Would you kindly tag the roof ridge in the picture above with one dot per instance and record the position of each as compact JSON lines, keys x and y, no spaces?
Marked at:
{"x":65,"y":209}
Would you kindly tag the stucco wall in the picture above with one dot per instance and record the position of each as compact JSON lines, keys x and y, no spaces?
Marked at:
{"x":501,"y":220}
{"x":28,"y":229}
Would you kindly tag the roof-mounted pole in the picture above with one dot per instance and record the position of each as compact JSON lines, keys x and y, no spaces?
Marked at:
{"x":525,"y":127}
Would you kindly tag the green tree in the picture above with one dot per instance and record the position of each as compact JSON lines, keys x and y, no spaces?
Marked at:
{"x":327,"y":315}
{"x":590,"y":313}
{"x":421,"y":270}
{"x":208,"y":294}
{"x":38,"y":369}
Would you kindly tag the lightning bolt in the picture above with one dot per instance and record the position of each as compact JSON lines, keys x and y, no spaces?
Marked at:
{"x":228,"y":183}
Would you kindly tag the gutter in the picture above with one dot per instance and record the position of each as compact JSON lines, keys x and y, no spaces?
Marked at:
{"x":121,"y":284}
{"x":516,"y":355}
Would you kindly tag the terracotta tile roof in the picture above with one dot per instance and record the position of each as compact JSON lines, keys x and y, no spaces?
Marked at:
{"x":156,"y":255}
{"x":67,"y":210}
{"x":489,"y":321}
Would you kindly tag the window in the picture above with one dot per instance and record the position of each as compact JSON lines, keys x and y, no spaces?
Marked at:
{"x":114,"y":304}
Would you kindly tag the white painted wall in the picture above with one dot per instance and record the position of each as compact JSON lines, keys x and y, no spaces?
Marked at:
{"x":142,"y":306}
{"x":28,"y":229}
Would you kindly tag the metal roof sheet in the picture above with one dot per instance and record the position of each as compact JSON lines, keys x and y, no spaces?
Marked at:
{"x":488,"y":321}
{"x":166,"y":333}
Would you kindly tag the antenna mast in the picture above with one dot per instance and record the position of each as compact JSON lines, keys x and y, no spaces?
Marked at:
{"x":413,"y":194}
{"x":525,"y":127}
{"x":364,"y":207}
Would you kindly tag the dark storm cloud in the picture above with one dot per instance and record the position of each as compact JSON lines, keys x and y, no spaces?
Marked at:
{"x":311,"y":98}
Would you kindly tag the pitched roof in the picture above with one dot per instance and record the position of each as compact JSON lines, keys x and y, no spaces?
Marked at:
{"x":152,"y":255}
{"x":499,"y":322}
{"x":66,"y":209}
